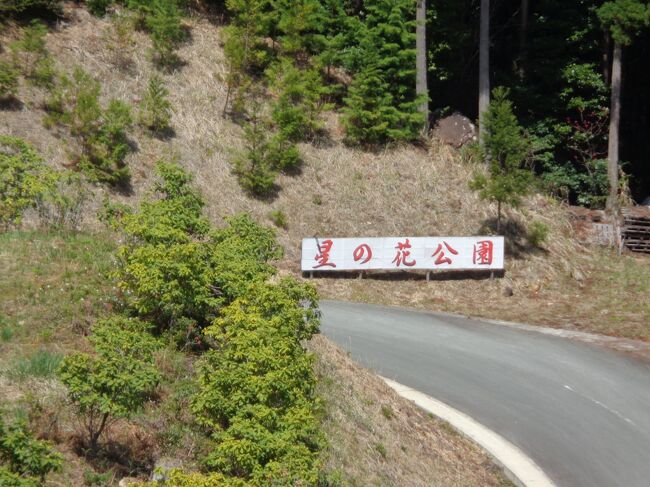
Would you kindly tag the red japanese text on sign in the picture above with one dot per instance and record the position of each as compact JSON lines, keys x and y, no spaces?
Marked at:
{"x":403,"y":254}
{"x":441,"y":256}
{"x":362,"y":253}
{"x":323,"y":255}
{"x":483,"y":252}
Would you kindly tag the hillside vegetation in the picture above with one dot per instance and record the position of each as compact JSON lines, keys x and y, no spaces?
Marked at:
{"x":343,"y":191}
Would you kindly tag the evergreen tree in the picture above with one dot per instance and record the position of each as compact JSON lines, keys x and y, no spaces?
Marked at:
{"x":297,"y":108}
{"x":506,"y":149}
{"x":155,"y":110}
{"x":382,"y":104}
{"x":623,"y":19}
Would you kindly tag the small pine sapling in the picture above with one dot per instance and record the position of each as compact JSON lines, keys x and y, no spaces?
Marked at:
{"x":506,"y":149}
{"x":155,"y":109}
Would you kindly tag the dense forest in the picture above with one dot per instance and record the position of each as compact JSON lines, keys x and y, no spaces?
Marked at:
{"x":359,"y":57}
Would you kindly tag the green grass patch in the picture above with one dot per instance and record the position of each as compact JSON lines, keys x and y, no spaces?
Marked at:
{"x":41,"y":364}
{"x":54,"y":285}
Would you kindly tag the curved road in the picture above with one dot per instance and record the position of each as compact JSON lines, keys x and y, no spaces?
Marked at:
{"x":580,"y":412}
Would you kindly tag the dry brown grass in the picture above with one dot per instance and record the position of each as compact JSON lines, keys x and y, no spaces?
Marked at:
{"x":344,"y":191}
{"x":376,"y":438}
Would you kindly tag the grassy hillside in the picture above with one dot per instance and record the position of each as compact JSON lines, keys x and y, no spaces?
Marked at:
{"x":342,"y":191}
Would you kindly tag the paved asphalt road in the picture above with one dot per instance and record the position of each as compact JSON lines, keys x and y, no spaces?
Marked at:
{"x":580,"y":412}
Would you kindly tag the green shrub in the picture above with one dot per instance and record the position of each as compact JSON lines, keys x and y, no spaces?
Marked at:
{"x":278,"y":218}
{"x":240,"y":255}
{"x":10,"y":479}
{"x":257,"y":387}
{"x":163,"y":21}
{"x":31,"y":54}
{"x":263,"y":158}
{"x":62,"y":206}
{"x":24,"y":180}
{"x":102,"y":134}
{"x":169,"y":270}
{"x":172,"y":215}
{"x":538,"y":233}
{"x":98,"y":7}
{"x":297,"y":109}
{"x":507,"y":149}
{"x":8,"y":80}
{"x":25,"y":456}
{"x":20,"y":6}
{"x":155,"y":109}
{"x":117,"y":380}
{"x":41,"y":364}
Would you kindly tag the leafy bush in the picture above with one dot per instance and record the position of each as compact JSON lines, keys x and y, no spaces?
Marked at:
{"x":278,"y":218}
{"x":10,"y":479}
{"x":240,"y":255}
{"x":155,"y":109}
{"x":98,"y":7}
{"x":62,"y":206}
{"x":257,"y":387}
{"x":8,"y":80}
{"x":538,"y":233}
{"x":25,"y":457}
{"x":101,"y":133}
{"x":24,"y":180}
{"x":20,"y":6}
{"x":31,"y":54}
{"x":169,"y":269}
{"x":117,"y":380}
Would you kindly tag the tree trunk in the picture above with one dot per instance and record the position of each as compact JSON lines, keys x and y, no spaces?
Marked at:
{"x":421,"y":88}
{"x":607,"y":47}
{"x":498,"y":218}
{"x":614,"y":121}
{"x":484,"y":64}
{"x":523,"y":37}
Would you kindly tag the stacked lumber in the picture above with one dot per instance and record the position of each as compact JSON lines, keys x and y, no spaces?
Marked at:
{"x":635,"y":232}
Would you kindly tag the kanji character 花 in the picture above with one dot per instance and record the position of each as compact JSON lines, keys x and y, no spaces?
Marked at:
{"x":440,"y":252}
{"x":323,"y":255}
{"x":403,"y":254}
{"x":483,"y":252}
{"x":364,"y":252}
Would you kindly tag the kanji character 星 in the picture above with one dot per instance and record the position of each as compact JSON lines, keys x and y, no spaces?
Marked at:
{"x":323,"y":255}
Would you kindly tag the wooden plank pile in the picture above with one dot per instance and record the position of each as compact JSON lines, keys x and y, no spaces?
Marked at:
{"x":635,"y":232}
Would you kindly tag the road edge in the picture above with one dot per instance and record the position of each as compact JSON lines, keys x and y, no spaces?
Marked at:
{"x":517,"y":466}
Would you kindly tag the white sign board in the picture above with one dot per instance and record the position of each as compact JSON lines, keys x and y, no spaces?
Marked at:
{"x":402,"y":253}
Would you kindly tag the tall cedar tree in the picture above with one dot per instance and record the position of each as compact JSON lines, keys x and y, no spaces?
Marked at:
{"x":623,"y":19}
{"x":506,"y":149}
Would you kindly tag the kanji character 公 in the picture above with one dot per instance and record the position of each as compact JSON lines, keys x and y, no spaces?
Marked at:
{"x":440,"y":252}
